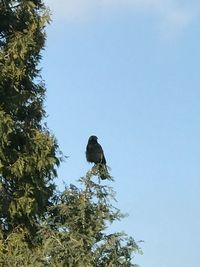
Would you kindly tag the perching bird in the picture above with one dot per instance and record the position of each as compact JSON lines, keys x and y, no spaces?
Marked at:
{"x":94,"y":153}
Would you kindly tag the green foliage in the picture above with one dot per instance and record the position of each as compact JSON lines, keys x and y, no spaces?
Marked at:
{"x":28,"y":151}
{"x":74,"y":232}
{"x":39,"y":227}
{"x":14,"y":251}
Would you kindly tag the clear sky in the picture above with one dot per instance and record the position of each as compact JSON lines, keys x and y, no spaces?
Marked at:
{"x":128,"y":71}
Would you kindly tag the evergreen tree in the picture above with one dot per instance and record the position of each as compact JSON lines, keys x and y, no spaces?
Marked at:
{"x":27,"y":149}
{"x":38,"y":226}
{"x":76,"y":230}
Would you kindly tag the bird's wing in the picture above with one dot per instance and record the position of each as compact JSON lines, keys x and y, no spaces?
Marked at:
{"x":100,"y":152}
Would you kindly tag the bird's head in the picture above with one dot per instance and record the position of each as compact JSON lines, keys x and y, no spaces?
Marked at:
{"x":93,"y":139}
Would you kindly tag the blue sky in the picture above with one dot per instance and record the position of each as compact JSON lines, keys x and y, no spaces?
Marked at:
{"x":128,"y":72}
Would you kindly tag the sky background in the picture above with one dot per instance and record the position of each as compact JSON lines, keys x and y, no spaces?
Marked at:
{"x":128,"y":72}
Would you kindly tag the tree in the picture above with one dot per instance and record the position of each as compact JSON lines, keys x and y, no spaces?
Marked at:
{"x":76,"y":229}
{"x":38,"y":225}
{"x":27,"y":149}
{"x":75,"y":232}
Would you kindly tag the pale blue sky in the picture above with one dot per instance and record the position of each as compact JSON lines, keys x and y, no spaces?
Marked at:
{"x":128,"y":72}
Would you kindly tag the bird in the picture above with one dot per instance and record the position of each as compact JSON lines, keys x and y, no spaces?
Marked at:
{"x":95,"y":154}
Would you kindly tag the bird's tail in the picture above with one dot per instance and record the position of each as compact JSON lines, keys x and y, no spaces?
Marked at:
{"x":103,"y":171}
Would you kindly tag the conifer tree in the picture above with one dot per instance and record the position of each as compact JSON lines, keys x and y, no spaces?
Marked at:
{"x":27,"y":149}
{"x":38,"y":226}
{"x":76,"y":232}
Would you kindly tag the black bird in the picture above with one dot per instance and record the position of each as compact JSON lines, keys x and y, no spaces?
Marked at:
{"x":94,"y":153}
